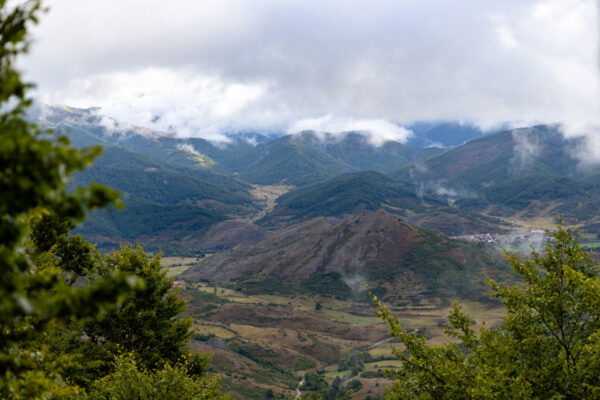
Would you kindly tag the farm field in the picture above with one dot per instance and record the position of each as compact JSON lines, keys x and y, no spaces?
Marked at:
{"x":176,"y":265}
{"x":268,"y":342}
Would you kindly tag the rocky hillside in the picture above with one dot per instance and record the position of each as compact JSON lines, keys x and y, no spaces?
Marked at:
{"x":331,"y":257}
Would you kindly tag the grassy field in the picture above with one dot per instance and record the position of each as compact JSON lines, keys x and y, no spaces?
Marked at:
{"x":176,"y":265}
{"x":270,"y":338}
{"x":218,"y":331}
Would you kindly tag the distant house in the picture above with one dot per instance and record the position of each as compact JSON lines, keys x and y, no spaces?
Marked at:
{"x":178,"y":284}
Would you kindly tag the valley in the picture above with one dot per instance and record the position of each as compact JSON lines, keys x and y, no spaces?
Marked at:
{"x":269,"y":342}
{"x":299,"y":200}
{"x":273,"y":243}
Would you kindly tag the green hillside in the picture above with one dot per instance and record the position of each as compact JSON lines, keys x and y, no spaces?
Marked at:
{"x":347,"y":194}
{"x":156,"y":226}
{"x":120,"y":158}
{"x":574,"y":198}
{"x":293,"y":164}
{"x":494,"y":159}
{"x":354,"y":149}
{"x":164,"y":204}
{"x":524,"y":173}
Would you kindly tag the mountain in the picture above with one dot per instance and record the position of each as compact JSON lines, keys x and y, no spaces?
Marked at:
{"x":346,"y":194}
{"x":327,"y":256}
{"x":354,"y":148}
{"x":292,"y":162}
{"x":166,"y":207}
{"x":537,"y":151}
{"x":526,"y":172}
{"x":156,"y":226}
{"x":297,"y":159}
{"x":358,"y":192}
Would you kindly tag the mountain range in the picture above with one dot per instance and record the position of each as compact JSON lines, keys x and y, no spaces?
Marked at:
{"x":177,"y":189}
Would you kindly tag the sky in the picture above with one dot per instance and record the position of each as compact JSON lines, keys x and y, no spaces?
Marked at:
{"x":207,"y":68}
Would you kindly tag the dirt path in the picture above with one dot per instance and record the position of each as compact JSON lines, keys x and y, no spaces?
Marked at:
{"x":257,"y":299}
{"x":412,"y":332}
{"x":378,"y":343}
{"x":298,"y":392}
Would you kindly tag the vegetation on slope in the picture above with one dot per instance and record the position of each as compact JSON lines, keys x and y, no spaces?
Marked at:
{"x":547,"y":346}
{"x":327,"y":257}
{"x":347,"y":194}
{"x":294,"y":164}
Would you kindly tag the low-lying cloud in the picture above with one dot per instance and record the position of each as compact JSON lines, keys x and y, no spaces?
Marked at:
{"x":377,"y":131}
{"x":525,"y":151}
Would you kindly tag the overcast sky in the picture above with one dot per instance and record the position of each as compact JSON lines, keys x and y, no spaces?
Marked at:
{"x":202,"y":68}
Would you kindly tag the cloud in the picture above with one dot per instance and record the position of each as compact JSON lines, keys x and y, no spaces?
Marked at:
{"x":204,"y":68}
{"x":187,"y":148}
{"x":587,"y":150}
{"x":175,"y":101}
{"x":525,"y":151}
{"x":377,"y":131}
{"x":450,"y":192}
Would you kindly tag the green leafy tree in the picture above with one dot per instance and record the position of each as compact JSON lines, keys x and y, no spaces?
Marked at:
{"x":42,"y":312}
{"x":33,"y":173}
{"x":75,"y":256}
{"x":149,"y":321}
{"x":130,"y":380}
{"x":548,"y":346}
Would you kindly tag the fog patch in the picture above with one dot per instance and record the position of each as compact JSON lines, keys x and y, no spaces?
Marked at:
{"x":188,"y":148}
{"x":453,"y":192}
{"x":376,"y":131}
{"x":526,"y":149}
{"x":587,"y":149}
{"x":355,"y":281}
{"x":519,"y":241}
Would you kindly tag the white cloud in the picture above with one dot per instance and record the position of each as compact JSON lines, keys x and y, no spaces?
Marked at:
{"x":187,"y":148}
{"x":377,"y":131}
{"x":177,"y":101}
{"x":209,"y":67}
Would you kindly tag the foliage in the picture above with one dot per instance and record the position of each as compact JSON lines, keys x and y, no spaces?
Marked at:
{"x":130,"y":380}
{"x":547,"y":347}
{"x":145,"y":218}
{"x":313,"y":382}
{"x":33,"y":175}
{"x":149,"y":321}
{"x":75,"y":256}
{"x":347,"y":193}
{"x":42,"y":306}
{"x":293,"y":163}
{"x":353,"y":360}
{"x":317,"y":385}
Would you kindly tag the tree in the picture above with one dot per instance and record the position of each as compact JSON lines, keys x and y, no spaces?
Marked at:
{"x":33,"y":174}
{"x":130,"y":380}
{"x":149,"y":321}
{"x":547,"y":347}
{"x":75,"y":256}
{"x":41,"y":309}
